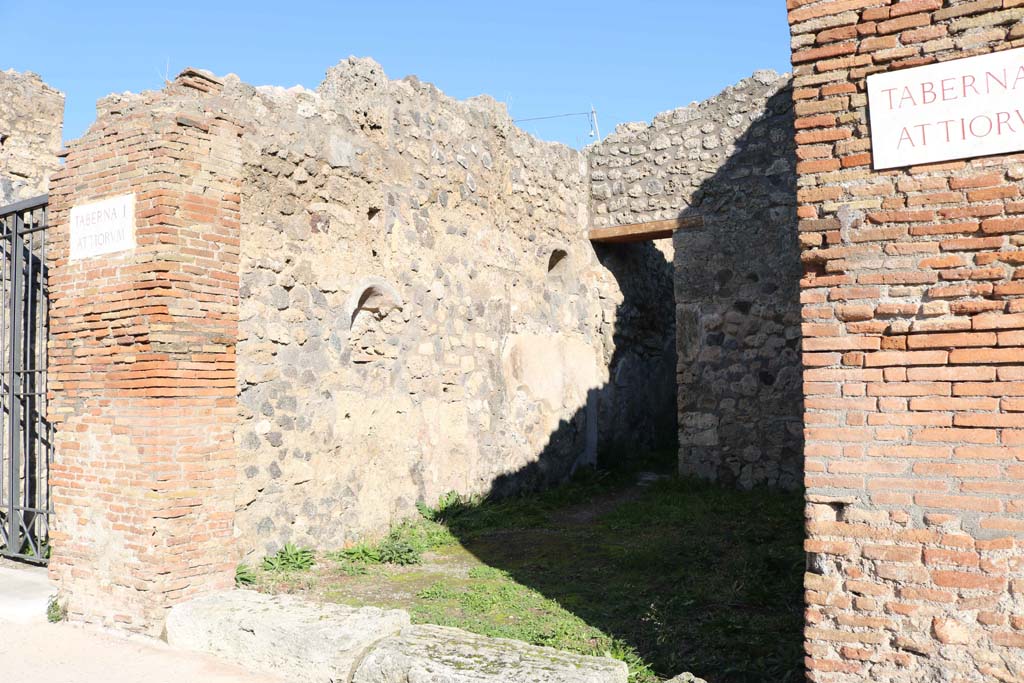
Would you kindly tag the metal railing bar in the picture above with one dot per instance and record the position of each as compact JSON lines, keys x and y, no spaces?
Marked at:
{"x":26,"y":447}
{"x":25,"y":205}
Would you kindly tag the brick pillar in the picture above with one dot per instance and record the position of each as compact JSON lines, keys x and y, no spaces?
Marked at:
{"x":913,"y":306}
{"x":142,"y":368}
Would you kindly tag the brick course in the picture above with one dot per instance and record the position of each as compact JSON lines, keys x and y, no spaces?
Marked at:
{"x":915,"y":511}
{"x":142,"y":369}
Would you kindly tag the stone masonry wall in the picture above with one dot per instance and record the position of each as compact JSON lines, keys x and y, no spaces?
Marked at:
{"x":421,"y":310}
{"x":729,"y":160}
{"x":342,"y":303}
{"x":914,"y":357}
{"x":31,"y":118}
{"x":142,"y":364}
{"x":408,"y":324}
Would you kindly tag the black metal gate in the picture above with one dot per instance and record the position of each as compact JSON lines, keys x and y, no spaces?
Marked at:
{"x":26,"y":446}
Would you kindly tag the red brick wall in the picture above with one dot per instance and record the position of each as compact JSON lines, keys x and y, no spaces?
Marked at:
{"x":142,"y":369}
{"x":914,"y":363}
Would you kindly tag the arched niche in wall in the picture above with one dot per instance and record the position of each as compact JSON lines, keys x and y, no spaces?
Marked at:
{"x":370,"y":315}
{"x":559,"y":285}
{"x":559,"y":265}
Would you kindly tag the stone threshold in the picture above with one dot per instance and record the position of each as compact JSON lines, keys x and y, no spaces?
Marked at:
{"x":325,"y":643}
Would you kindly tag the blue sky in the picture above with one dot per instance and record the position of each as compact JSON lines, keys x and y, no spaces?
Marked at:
{"x":629,"y":59}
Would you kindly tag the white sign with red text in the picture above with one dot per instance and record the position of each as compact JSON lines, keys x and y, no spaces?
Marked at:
{"x":964,"y":108}
{"x":103,"y":227}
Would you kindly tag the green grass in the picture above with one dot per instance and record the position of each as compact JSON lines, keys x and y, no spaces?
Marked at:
{"x":288,"y":559}
{"x":244,"y":575}
{"x":677,"y":576}
{"x":403,"y":546}
{"x":56,"y":611}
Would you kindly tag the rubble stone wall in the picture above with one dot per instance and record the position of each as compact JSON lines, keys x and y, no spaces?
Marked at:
{"x":914,"y":356}
{"x":731,"y":161}
{"x":31,"y":119}
{"x":420,"y":308}
{"x":422,"y":311}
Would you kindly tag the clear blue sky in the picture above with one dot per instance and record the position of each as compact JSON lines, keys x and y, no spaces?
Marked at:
{"x":630,"y":59}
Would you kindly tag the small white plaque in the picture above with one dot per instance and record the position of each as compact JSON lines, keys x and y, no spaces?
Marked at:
{"x":959,"y":109}
{"x":103,"y":227}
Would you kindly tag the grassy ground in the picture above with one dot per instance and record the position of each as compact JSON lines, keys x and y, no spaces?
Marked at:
{"x":667,"y":575}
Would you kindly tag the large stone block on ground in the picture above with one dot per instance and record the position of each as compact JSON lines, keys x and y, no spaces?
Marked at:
{"x":435,"y":654}
{"x":282,"y":634}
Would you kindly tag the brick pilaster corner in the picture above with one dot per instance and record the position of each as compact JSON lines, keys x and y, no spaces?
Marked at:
{"x":913,"y":309}
{"x":142,"y":367}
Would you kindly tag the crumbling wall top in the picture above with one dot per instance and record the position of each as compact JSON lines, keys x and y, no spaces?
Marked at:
{"x":625,"y":132}
{"x":31,"y":116}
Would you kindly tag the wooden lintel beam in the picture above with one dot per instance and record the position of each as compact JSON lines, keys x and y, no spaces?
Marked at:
{"x":644,"y":232}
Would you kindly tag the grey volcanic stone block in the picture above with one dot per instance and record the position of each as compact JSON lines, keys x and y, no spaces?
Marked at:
{"x":686,"y":678}
{"x":282,"y":634}
{"x":435,"y":654}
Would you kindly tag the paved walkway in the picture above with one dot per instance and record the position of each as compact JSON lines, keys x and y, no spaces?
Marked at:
{"x":24,"y":592}
{"x":33,"y":650}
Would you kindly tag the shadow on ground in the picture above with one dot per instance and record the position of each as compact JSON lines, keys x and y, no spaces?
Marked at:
{"x":666,"y":573}
{"x":682,"y":575}
{"x":687,"y":576}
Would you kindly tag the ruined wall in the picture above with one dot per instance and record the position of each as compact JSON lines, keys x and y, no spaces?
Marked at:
{"x":913,"y":349}
{"x":401,"y":336}
{"x":638,"y":403}
{"x":730,"y":160}
{"x":31,"y":117}
{"x":141,"y":372}
{"x":641,"y":397}
{"x":421,"y":309}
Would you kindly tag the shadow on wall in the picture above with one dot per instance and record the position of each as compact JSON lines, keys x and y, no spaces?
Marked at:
{"x":736,"y":307}
{"x":634,"y":412}
{"x":740,"y":370}
{"x":738,"y":315}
